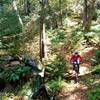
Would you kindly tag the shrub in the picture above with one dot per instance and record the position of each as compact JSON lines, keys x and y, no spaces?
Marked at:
{"x":56,"y":85}
{"x":96,"y":70}
{"x":58,"y":37}
{"x":12,"y":75}
{"x":94,"y":94}
{"x":57,"y":67}
{"x":97,"y":55}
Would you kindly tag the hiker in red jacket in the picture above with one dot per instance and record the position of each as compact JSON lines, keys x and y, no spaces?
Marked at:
{"x":76,"y":59}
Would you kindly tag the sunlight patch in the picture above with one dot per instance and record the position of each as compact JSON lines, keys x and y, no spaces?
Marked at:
{"x":84,"y":70}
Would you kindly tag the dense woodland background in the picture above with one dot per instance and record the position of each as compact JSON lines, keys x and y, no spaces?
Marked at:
{"x":50,"y":31}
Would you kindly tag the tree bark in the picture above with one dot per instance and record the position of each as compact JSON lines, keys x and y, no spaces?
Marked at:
{"x":43,"y":53}
{"x":44,"y":41}
{"x":89,"y":11}
{"x":60,"y":14}
{"x":85,"y":16}
{"x":26,"y":7}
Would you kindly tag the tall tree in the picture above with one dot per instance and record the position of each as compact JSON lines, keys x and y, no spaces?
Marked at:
{"x":60,"y":14}
{"x":89,"y":10}
{"x":26,"y":7}
{"x":42,"y":31}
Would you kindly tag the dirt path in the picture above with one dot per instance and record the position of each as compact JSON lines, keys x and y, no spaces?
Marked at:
{"x":78,"y":91}
{"x":75,"y":91}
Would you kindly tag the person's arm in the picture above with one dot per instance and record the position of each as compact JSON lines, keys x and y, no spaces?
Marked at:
{"x":81,"y":59}
{"x":71,"y":59}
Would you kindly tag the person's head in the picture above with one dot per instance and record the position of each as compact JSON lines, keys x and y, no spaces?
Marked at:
{"x":76,"y":53}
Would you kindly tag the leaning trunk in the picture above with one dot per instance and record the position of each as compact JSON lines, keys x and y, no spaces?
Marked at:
{"x":43,"y":47}
{"x":17,"y":13}
{"x":41,"y":32}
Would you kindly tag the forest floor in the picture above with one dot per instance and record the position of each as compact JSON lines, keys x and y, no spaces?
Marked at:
{"x":87,"y":81}
{"x":78,"y":91}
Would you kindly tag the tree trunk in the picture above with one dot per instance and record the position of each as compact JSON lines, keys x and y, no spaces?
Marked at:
{"x":15,"y":8}
{"x":44,"y":41}
{"x":85,"y":16}
{"x":89,"y":11}
{"x":43,"y":47}
{"x":41,"y":42}
{"x":43,"y":53}
{"x":60,"y":14}
{"x":26,"y":7}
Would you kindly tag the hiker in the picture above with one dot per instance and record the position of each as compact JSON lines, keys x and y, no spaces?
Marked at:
{"x":76,"y":59}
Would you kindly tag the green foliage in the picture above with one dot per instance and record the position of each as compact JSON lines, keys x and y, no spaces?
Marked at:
{"x":15,"y":73}
{"x":95,"y":28}
{"x":5,"y":1}
{"x":76,"y":35}
{"x":22,"y":70}
{"x":94,"y":33}
{"x":11,"y":75}
{"x":94,"y":94}
{"x":10,"y":27}
{"x":36,"y":83}
{"x":58,"y":37}
{"x":96,"y":69}
{"x":56,"y":85}
{"x":97,"y":55}
{"x":10,"y":24}
{"x":57,"y":67}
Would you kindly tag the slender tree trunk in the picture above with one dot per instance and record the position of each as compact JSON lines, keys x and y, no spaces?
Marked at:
{"x":43,"y":44}
{"x":89,"y":11}
{"x":15,"y":8}
{"x":60,"y":14}
{"x":44,"y":41}
{"x":42,"y":19}
{"x":26,"y":7}
{"x":43,"y":47}
{"x":85,"y":16}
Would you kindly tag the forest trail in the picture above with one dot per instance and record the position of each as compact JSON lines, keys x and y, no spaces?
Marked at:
{"x":78,"y":91}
